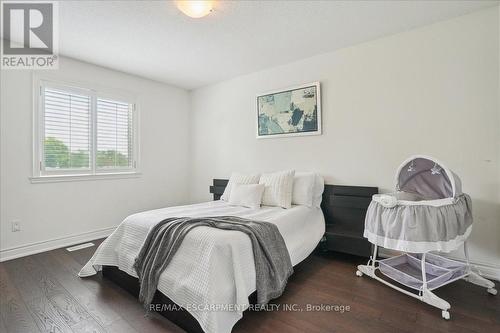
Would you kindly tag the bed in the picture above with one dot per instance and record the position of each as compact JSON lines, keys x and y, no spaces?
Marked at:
{"x":213,"y":269}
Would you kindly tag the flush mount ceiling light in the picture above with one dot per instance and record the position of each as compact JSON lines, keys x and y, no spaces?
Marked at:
{"x":196,"y":9}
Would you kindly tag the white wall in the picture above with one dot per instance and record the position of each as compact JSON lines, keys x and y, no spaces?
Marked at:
{"x":54,"y":210}
{"x":433,"y":90}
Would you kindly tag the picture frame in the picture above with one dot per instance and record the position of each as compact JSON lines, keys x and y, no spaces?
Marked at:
{"x":289,"y":112}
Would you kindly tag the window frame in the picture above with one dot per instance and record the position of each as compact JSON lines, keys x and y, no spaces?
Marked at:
{"x":40,"y":173}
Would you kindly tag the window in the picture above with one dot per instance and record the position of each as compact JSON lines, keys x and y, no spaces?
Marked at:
{"x":67,"y":130}
{"x":81,"y":132}
{"x":114,"y":135}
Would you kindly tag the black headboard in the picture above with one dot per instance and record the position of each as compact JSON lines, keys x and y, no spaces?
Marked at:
{"x":338,"y":196}
{"x":344,"y":208}
{"x":218,"y":187}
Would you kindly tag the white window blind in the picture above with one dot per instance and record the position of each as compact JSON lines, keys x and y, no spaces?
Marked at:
{"x":67,"y":131}
{"x":82,"y":133}
{"x":114,"y":134}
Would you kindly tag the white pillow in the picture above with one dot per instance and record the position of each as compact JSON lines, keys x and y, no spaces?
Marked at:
{"x":249,"y":195}
{"x":278,"y":191}
{"x":303,"y":187}
{"x":238,"y":178}
{"x":319,"y":187}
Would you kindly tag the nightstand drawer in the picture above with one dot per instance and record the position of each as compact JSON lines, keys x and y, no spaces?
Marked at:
{"x":347,"y":244}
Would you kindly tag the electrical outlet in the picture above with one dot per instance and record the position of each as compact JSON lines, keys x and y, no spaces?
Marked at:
{"x":16,"y":225}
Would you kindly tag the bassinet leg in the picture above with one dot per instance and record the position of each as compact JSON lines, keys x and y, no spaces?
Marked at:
{"x":478,"y":280}
{"x":466,"y":252}
{"x":429,"y":297}
{"x":369,"y":268}
{"x":424,"y":275}
{"x":475,"y":278}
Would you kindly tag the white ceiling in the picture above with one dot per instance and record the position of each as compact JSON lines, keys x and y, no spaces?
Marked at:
{"x":154,"y":40}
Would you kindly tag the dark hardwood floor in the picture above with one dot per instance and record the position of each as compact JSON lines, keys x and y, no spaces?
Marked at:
{"x":42,"y":293}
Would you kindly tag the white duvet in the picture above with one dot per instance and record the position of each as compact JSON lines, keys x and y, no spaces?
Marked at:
{"x":212,"y":266}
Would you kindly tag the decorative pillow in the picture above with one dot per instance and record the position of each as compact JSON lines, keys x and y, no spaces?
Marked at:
{"x":319,"y":187}
{"x":278,"y":191}
{"x":238,"y":178}
{"x":303,"y":187}
{"x":249,"y":195}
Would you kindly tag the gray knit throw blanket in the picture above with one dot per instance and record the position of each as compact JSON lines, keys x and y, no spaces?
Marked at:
{"x":273,"y":266}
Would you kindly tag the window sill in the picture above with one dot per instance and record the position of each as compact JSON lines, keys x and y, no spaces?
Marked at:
{"x":75,"y":178}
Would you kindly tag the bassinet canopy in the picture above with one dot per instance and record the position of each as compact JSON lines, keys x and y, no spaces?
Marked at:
{"x":428,"y":178}
{"x":428,"y":212}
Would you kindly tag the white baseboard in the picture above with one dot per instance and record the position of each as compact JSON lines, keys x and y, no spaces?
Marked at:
{"x":486,"y":270}
{"x":52,"y":244}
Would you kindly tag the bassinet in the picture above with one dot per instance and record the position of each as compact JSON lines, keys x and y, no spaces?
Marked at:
{"x":428,"y":212}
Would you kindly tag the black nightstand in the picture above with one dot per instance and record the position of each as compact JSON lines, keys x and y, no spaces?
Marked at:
{"x":345,"y":208}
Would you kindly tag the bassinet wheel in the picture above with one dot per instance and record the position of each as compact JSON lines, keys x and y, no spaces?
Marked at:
{"x":492,"y":291}
{"x":445,"y":314}
{"x":359,"y":273}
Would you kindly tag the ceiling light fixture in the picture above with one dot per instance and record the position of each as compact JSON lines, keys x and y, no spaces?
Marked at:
{"x":196,"y":9}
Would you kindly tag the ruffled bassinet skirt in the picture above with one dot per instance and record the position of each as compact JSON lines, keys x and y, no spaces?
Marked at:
{"x":419,"y":228}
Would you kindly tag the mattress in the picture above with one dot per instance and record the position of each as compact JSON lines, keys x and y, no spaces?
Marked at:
{"x":213,"y":272}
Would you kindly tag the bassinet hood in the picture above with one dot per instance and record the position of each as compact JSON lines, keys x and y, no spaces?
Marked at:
{"x":428,"y":178}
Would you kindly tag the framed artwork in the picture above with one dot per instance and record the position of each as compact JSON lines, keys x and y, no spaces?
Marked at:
{"x":293,"y":111}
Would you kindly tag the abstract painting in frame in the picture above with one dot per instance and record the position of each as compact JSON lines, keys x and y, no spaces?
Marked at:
{"x":292,"y":111}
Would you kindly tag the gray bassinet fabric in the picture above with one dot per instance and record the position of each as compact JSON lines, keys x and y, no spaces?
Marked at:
{"x":412,"y":228}
{"x":429,"y":179}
